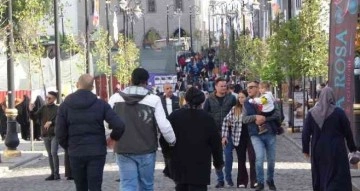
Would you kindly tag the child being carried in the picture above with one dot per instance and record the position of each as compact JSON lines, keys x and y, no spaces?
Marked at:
{"x":265,"y":103}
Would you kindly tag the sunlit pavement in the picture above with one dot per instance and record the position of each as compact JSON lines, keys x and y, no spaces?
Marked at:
{"x":292,"y":173}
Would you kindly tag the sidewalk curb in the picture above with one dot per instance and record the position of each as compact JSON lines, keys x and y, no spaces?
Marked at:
{"x":11,"y":163}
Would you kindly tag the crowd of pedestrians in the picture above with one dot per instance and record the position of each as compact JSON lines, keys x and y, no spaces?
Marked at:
{"x":194,"y":128}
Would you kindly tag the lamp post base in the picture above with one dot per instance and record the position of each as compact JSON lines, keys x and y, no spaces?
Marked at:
{"x":11,"y":140}
{"x":12,"y":153}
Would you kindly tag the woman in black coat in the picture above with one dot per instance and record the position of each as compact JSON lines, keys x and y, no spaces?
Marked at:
{"x":197,"y":139}
{"x":327,"y":128}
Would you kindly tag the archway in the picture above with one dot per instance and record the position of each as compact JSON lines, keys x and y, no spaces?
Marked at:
{"x":182,"y":33}
{"x":150,"y":37}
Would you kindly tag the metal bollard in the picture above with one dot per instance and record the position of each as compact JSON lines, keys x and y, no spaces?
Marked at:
{"x":291,"y":115}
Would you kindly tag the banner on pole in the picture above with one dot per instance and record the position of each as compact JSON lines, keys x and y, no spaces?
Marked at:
{"x":343,"y":21}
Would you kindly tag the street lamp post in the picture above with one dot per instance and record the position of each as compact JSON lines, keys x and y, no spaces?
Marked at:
{"x":62,"y":24}
{"x":87,"y":40}
{"x":167,"y":26}
{"x":178,"y":12}
{"x":11,"y":140}
{"x":57,"y":51}
{"x":244,"y":12}
{"x":193,"y":10}
{"x":130,"y":12}
{"x":232,"y":10}
{"x":270,"y":16}
{"x":110,"y":84}
{"x":256,"y":9}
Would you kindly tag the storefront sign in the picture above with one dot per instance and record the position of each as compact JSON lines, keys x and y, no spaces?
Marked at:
{"x":343,"y":21}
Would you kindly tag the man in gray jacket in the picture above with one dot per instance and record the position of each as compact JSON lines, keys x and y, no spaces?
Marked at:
{"x":136,"y":149}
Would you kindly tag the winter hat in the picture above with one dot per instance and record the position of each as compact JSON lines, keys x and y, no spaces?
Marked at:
{"x":194,"y":97}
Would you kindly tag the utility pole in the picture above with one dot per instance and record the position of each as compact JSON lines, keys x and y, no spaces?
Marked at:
{"x":57,"y":52}
{"x":87,"y":41}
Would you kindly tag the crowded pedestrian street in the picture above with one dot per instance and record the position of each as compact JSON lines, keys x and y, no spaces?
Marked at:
{"x":292,"y":173}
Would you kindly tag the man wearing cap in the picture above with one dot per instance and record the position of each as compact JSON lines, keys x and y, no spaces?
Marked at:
{"x":136,"y":149}
{"x":47,"y":116}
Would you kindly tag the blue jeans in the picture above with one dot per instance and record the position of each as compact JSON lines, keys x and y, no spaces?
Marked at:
{"x":228,"y":151}
{"x":136,"y":171}
{"x":52,"y":145}
{"x":264,"y":143}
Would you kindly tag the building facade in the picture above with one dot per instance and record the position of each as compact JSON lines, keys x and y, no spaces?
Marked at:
{"x":154,"y":17}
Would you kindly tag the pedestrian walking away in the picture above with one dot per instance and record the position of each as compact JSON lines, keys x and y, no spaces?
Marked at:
{"x":80,"y":130}
{"x":47,"y":116}
{"x":198,"y":140}
{"x":327,"y":127}
{"x":136,"y":150}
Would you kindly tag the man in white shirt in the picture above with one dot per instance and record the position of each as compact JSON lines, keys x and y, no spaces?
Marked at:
{"x":170,"y":103}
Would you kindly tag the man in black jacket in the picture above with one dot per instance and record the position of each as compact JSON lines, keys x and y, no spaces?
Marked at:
{"x":47,"y":114}
{"x":170,"y":103}
{"x":218,"y":105}
{"x":80,"y":130}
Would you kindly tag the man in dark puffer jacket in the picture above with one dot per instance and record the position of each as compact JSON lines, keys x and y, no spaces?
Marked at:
{"x":80,"y":130}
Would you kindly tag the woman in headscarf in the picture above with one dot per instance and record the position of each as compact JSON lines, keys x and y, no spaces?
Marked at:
{"x":3,"y":120}
{"x":327,"y":127}
{"x":197,"y":139}
{"x":23,"y":117}
{"x":39,"y":102}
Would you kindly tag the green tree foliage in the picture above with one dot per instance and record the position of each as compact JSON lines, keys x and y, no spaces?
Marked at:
{"x":126,"y":59}
{"x":283,"y":58}
{"x":72,"y":47}
{"x":101,"y":50}
{"x":36,"y":9}
{"x":250,"y":56}
{"x":28,"y":14}
{"x":314,"y":48}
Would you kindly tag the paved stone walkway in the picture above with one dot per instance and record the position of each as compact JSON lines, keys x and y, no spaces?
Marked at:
{"x":292,"y":173}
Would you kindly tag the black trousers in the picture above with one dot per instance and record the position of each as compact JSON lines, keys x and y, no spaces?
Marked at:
{"x":190,"y":187}
{"x":88,"y":172}
{"x":67,"y":165}
{"x":25,"y":131}
{"x":37,"y":130}
{"x":244,"y":146}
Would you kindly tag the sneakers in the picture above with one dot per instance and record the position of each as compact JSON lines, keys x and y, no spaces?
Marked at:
{"x":220,"y":185}
{"x":354,"y":157}
{"x":259,"y":187}
{"x":271,"y":185}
